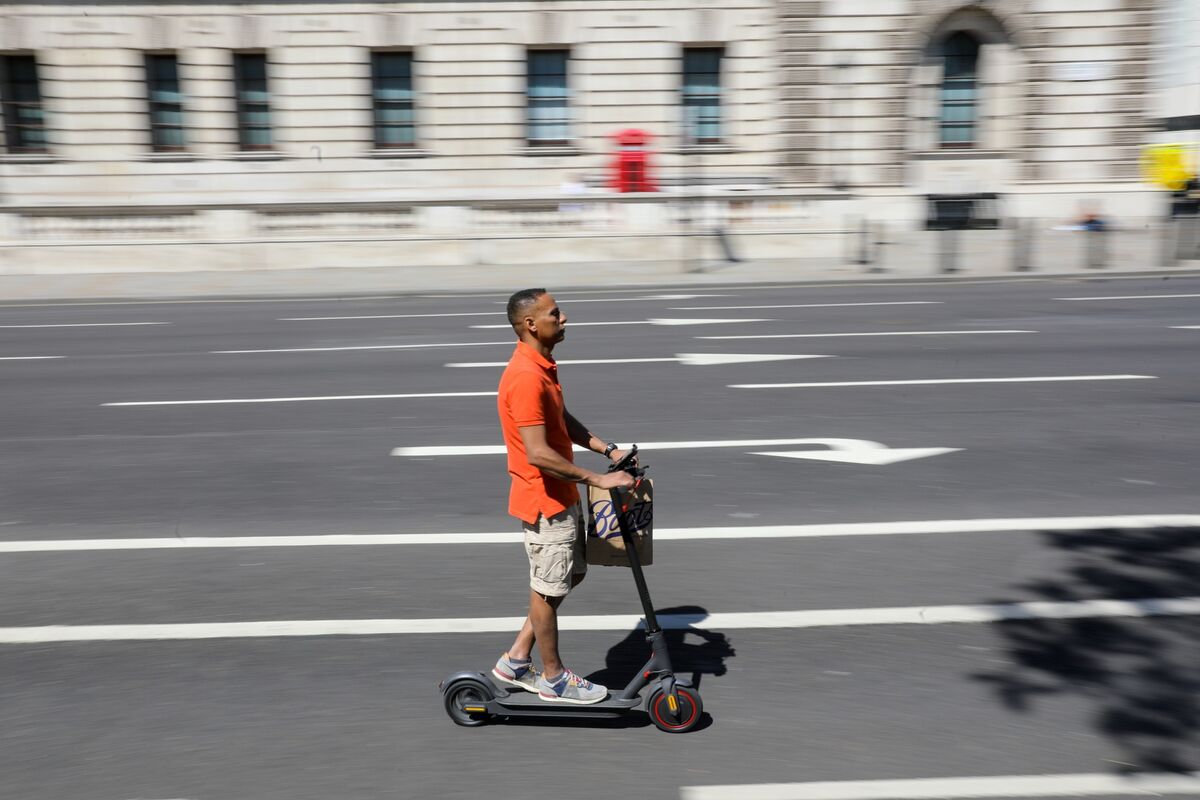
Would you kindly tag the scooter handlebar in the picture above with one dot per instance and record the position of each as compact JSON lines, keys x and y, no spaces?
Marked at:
{"x":629,"y":463}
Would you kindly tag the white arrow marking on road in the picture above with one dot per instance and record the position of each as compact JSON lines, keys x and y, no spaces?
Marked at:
{"x":813,"y":618}
{"x":643,"y":322}
{"x":1148,"y":784}
{"x":851,"y":451}
{"x":859,"y":453}
{"x":687,"y":359}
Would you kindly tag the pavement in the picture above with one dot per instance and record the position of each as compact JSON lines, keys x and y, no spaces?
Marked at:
{"x":960,"y":545}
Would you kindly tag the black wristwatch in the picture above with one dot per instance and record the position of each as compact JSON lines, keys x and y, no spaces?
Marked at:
{"x":608,"y":448}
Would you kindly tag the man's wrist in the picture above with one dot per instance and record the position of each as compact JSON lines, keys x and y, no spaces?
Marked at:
{"x":609,"y":448}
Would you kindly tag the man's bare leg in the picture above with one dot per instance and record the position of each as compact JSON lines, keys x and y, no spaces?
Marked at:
{"x":522,"y":646}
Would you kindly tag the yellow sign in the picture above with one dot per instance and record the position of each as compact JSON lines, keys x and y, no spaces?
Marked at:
{"x":1168,"y":165}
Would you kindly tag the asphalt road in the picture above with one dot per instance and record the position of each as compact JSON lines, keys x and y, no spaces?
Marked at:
{"x":135,"y":421}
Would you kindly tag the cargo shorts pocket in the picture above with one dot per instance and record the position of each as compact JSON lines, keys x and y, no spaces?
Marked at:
{"x":551,"y":547}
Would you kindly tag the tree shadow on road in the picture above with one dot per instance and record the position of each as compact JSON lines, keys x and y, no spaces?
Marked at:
{"x":1143,"y":676}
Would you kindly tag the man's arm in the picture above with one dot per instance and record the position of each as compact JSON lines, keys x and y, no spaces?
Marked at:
{"x":581,"y":436}
{"x":541,"y":455}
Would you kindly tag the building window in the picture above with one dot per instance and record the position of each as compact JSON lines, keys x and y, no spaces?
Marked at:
{"x":392,"y":90}
{"x":960,"y":59}
{"x":166,"y":103}
{"x":253,"y":101}
{"x":702,"y":94}
{"x":24,"y":118}
{"x":547,"y":97}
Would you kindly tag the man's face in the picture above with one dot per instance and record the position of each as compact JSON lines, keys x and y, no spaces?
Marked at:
{"x":549,"y":321}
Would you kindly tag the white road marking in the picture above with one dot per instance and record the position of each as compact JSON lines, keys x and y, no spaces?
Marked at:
{"x":510,"y":342}
{"x":869,"y":333}
{"x":933,"y":381}
{"x":28,"y":358}
{"x":687,"y":359}
{"x":632,"y":299}
{"x":89,"y":325}
{"x":816,"y":618}
{"x":878,"y":456}
{"x":1131,"y":297}
{"x":392,"y":316}
{"x":1186,"y":327}
{"x":1148,"y":784}
{"x":813,"y":305}
{"x":498,"y":449}
{"x":300,"y":399}
{"x":1141,"y":522}
{"x":645,"y":322}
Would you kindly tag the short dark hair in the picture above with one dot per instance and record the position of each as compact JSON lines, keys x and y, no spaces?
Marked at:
{"x":520,"y":302}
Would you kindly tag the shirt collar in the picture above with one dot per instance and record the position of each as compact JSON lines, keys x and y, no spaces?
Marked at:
{"x":533,"y":355}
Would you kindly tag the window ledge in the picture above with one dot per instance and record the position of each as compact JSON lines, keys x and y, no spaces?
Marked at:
{"x":550,"y":150}
{"x":716,"y":147}
{"x":169,"y":157}
{"x":30,"y":158}
{"x":959,"y":154}
{"x":254,"y":155}
{"x":398,"y":152}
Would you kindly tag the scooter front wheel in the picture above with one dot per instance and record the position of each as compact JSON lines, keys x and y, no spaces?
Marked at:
{"x":680,"y":719}
{"x":465,"y":702}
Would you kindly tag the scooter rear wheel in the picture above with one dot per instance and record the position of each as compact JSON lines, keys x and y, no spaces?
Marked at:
{"x":465,"y":695}
{"x":684,"y":718}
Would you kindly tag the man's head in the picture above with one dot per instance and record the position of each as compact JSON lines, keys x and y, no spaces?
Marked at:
{"x":536,"y":318}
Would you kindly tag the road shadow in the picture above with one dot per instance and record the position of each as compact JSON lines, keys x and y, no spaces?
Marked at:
{"x":1142,"y":676}
{"x":695,"y":652}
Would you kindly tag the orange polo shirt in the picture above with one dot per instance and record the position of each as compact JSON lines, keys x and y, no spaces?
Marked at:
{"x":531,"y":395}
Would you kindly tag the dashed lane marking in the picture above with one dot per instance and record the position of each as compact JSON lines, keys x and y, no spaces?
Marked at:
{"x":937,"y":381}
{"x":819,"y":618}
{"x":812,"y":305}
{"x":1145,"y":784}
{"x":1143,"y":522}
{"x":865,"y":333}
{"x":300,"y":399}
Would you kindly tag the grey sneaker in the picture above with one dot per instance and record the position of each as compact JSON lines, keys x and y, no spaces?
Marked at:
{"x":519,"y":675}
{"x":570,"y":688}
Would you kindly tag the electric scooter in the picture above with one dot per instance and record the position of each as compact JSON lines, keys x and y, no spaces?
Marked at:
{"x":673,"y":704}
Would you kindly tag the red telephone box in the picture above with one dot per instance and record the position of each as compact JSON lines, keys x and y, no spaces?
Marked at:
{"x":631,"y":167}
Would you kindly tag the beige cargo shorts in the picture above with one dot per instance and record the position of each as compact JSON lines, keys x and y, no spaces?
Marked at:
{"x":555,"y":547}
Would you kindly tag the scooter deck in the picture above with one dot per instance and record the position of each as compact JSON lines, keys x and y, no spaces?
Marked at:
{"x":527,"y":704}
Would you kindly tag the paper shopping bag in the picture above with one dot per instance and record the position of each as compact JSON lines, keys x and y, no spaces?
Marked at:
{"x":605,"y":547}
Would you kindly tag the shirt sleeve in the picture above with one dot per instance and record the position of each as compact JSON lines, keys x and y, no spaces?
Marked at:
{"x":526,"y":401}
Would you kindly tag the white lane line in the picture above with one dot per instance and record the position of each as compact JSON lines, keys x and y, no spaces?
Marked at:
{"x":299,"y":399}
{"x":817,"y":618}
{"x":644,"y":322}
{"x":1140,"y":522}
{"x":510,"y":342}
{"x":632,"y":299}
{"x":88,"y":325}
{"x":1186,"y":327}
{"x":813,"y":305}
{"x":1131,"y":297}
{"x":393,"y":316}
{"x":28,"y":358}
{"x":687,"y":359}
{"x":869,"y":333}
{"x":933,"y":381}
{"x":1146,"y":784}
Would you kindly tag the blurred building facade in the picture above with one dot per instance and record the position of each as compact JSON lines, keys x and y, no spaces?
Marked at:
{"x":1041,"y":102}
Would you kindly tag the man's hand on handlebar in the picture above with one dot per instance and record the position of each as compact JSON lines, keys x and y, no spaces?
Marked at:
{"x":614,"y":480}
{"x":617,"y":455}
